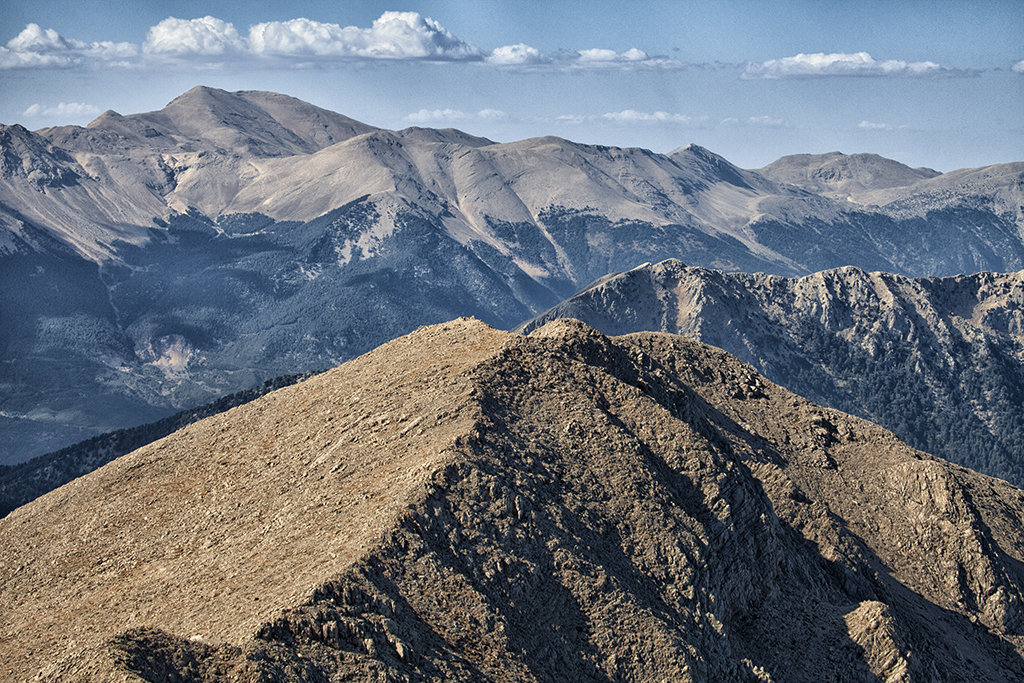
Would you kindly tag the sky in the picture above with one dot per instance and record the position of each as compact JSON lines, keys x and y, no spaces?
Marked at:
{"x":930,"y":83}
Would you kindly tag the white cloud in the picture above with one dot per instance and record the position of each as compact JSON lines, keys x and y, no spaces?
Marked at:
{"x":871,"y":125}
{"x":62,"y":110}
{"x":207,"y":36}
{"x":519,"y":54}
{"x":525,"y":57}
{"x":394,"y":35}
{"x":492,"y":114}
{"x":305,"y":42}
{"x":846,"y":64}
{"x":435,"y":115}
{"x":762,"y":121}
{"x":634,"y":116}
{"x":34,"y":38}
{"x":14,"y":59}
{"x":36,"y":47}
{"x":599,"y":58}
{"x":1018,"y":67}
{"x":428,"y":116}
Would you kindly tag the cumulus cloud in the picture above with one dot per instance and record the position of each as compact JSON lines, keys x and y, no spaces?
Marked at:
{"x":519,"y":54}
{"x":846,"y":64}
{"x":206,"y":36}
{"x":36,"y":47}
{"x":394,"y":35}
{"x":64,"y":110}
{"x":34,"y":38}
{"x":1019,"y":67}
{"x":633,"y":58}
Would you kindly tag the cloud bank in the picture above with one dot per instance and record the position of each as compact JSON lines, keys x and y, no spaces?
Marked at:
{"x":820,"y":64}
{"x":1018,"y":67}
{"x":394,"y":36}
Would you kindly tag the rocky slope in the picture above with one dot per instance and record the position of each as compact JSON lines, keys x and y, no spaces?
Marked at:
{"x":940,"y":361}
{"x":153,"y":262}
{"x":26,"y":481}
{"x":468,"y":504}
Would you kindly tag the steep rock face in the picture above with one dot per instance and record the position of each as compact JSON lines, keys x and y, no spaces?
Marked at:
{"x":940,"y":361}
{"x":468,"y":504}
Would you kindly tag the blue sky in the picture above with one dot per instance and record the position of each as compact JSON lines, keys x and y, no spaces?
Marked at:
{"x":927,"y":83}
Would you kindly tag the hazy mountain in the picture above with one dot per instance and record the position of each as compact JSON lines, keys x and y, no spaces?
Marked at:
{"x":153,"y":262}
{"x":468,"y":504}
{"x":843,"y":176}
{"x":940,"y":361}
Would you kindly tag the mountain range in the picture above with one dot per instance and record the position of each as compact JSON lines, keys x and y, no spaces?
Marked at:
{"x":153,"y":262}
{"x":940,"y":361}
{"x":469,"y":504}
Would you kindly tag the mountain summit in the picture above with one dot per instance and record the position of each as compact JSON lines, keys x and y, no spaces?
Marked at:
{"x":468,"y":504}
{"x":250,"y":123}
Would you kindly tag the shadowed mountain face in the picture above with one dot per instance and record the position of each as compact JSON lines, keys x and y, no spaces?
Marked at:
{"x":468,"y":504}
{"x":153,"y":262}
{"x":940,"y":361}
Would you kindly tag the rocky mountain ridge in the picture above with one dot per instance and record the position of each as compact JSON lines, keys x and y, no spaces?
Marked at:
{"x":153,"y":262}
{"x":468,"y":504}
{"x":940,"y":361}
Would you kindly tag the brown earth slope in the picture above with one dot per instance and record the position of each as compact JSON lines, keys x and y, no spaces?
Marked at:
{"x":469,"y":504}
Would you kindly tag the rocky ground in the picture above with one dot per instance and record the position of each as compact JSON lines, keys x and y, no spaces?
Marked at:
{"x":469,"y":504}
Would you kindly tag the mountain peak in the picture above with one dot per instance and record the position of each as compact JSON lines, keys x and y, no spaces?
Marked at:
{"x":713,"y":168}
{"x":248,"y":122}
{"x":843,"y":175}
{"x":464,"y":503}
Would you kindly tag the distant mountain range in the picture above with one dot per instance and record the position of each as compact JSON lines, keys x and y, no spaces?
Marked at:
{"x":465,"y":504}
{"x":940,"y":361}
{"x":156,"y":261}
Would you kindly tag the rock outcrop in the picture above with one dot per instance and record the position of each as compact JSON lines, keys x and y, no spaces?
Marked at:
{"x":940,"y":361}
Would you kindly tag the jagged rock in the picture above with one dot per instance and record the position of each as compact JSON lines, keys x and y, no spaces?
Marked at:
{"x":940,"y":361}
